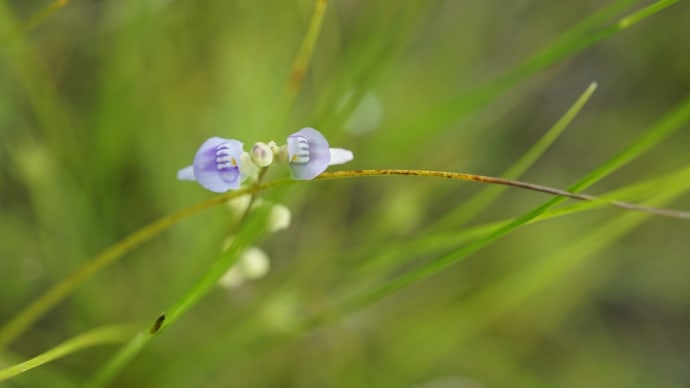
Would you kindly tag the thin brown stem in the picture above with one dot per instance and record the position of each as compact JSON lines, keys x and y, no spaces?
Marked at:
{"x":508,"y":182}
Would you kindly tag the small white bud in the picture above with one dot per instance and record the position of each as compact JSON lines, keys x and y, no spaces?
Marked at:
{"x":262,"y":155}
{"x":254,"y":263}
{"x":279,"y":218}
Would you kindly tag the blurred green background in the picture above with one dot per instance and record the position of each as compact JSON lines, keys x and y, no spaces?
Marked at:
{"x":101,"y":102}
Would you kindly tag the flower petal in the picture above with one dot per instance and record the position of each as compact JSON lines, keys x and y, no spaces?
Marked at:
{"x":217,"y":164}
{"x":308,"y":153}
{"x":340,"y":156}
{"x":186,"y":174}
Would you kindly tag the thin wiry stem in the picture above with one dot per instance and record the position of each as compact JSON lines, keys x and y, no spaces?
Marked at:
{"x":508,"y":182}
{"x":252,"y":198}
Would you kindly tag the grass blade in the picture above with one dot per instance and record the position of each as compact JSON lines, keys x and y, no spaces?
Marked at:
{"x":101,"y":336}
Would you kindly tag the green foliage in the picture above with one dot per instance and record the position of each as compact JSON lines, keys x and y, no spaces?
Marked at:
{"x":381,"y":281}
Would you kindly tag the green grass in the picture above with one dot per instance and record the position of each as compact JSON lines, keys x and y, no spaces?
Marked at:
{"x":378,"y":281}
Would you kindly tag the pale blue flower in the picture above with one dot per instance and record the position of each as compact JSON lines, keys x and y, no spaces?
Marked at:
{"x":309,"y":154}
{"x":216,"y":165}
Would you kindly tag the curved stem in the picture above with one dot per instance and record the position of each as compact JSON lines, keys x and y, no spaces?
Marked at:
{"x":100,"y":336}
{"x":508,"y":182}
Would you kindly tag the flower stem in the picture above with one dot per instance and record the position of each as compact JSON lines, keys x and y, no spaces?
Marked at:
{"x":252,"y":198}
{"x":508,"y":182}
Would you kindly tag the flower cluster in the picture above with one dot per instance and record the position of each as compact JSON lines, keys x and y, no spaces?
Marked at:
{"x":221,"y":164}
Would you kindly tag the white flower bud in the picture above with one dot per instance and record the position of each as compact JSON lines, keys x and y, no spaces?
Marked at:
{"x":253,"y":263}
{"x":261,"y":154}
{"x":279,"y":218}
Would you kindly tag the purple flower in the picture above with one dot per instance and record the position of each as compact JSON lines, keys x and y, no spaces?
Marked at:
{"x":309,"y":154}
{"x":216,"y":165}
